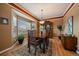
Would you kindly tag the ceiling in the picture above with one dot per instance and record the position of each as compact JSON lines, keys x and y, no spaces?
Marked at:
{"x":50,"y":10}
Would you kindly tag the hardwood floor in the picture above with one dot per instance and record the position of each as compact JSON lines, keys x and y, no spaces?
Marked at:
{"x":58,"y":50}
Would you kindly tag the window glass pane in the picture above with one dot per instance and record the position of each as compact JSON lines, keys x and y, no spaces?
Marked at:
{"x":33,"y":26}
{"x":70,"y":25}
{"x":23,"y":26}
{"x":14,"y":28}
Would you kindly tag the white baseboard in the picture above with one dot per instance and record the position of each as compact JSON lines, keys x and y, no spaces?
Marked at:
{"x":8,"y":48}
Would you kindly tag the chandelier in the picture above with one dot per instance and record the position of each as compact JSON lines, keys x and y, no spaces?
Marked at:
{"x":42,"y":21}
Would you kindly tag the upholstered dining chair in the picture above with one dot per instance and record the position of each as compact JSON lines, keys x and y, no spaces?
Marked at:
{"x":45,"y":40}
{"x":32,"y":40}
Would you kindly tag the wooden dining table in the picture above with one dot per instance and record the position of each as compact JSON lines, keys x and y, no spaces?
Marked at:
{"x":42,"y":42}
{"x":36,"y":41}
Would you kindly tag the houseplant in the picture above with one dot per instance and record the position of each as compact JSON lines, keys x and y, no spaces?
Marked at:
{"x":21,"y":38}
{"x":60,"y":29}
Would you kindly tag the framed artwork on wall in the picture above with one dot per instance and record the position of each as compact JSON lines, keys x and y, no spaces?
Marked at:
{"x":3,"y":20}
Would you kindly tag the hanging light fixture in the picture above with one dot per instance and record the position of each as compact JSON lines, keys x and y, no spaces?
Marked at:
{"x":42,"y":22}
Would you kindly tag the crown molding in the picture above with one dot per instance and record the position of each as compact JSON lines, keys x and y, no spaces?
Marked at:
{"x":25,"y":11}
{"x":53,"y":18}
{"x":22,"y":10}
{"x":64,"y":13}
{"x":69,"y":9}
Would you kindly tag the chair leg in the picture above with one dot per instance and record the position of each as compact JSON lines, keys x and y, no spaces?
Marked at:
{"x":40,"y":46}
{"x":28,"y":45}
{"x":35,"y":50}
{"x":44,"y":47}
{"x":47,"y":45}
{"x":29,"y":49}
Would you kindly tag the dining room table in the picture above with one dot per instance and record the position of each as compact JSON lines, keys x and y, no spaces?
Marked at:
{"x":42,"y":42}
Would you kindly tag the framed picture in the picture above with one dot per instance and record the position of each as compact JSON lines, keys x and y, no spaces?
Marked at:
{"x":3,"y":20}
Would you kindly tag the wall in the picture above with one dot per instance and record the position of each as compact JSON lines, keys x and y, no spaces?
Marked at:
{"x":74,"y":11}
{"x":56,"y":22}
{"x":5,"y":30}
{"x":30,"y":18}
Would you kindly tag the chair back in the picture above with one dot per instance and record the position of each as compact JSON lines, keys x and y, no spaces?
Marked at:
{"x":31,"y":35}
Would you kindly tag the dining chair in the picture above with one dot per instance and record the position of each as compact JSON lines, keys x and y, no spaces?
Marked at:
{"x":32,"y":40}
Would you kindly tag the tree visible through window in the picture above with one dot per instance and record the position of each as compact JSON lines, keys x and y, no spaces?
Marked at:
{"x":70,"y":25}
{"x":23,"y":25}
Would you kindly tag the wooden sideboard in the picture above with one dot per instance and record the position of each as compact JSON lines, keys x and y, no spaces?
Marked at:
{"x":69,"y":42}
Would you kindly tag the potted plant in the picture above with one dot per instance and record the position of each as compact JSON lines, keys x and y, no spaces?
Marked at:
{"x":21,"y":38}
{"x":60,"y":29}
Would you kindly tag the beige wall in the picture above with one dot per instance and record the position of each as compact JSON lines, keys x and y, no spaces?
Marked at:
{"x":56,"y":22}
{"x":74,"y":11}
{"x":5,"y":30}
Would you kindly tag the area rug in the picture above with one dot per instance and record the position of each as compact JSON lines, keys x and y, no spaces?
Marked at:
{"x":23,"y":51}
